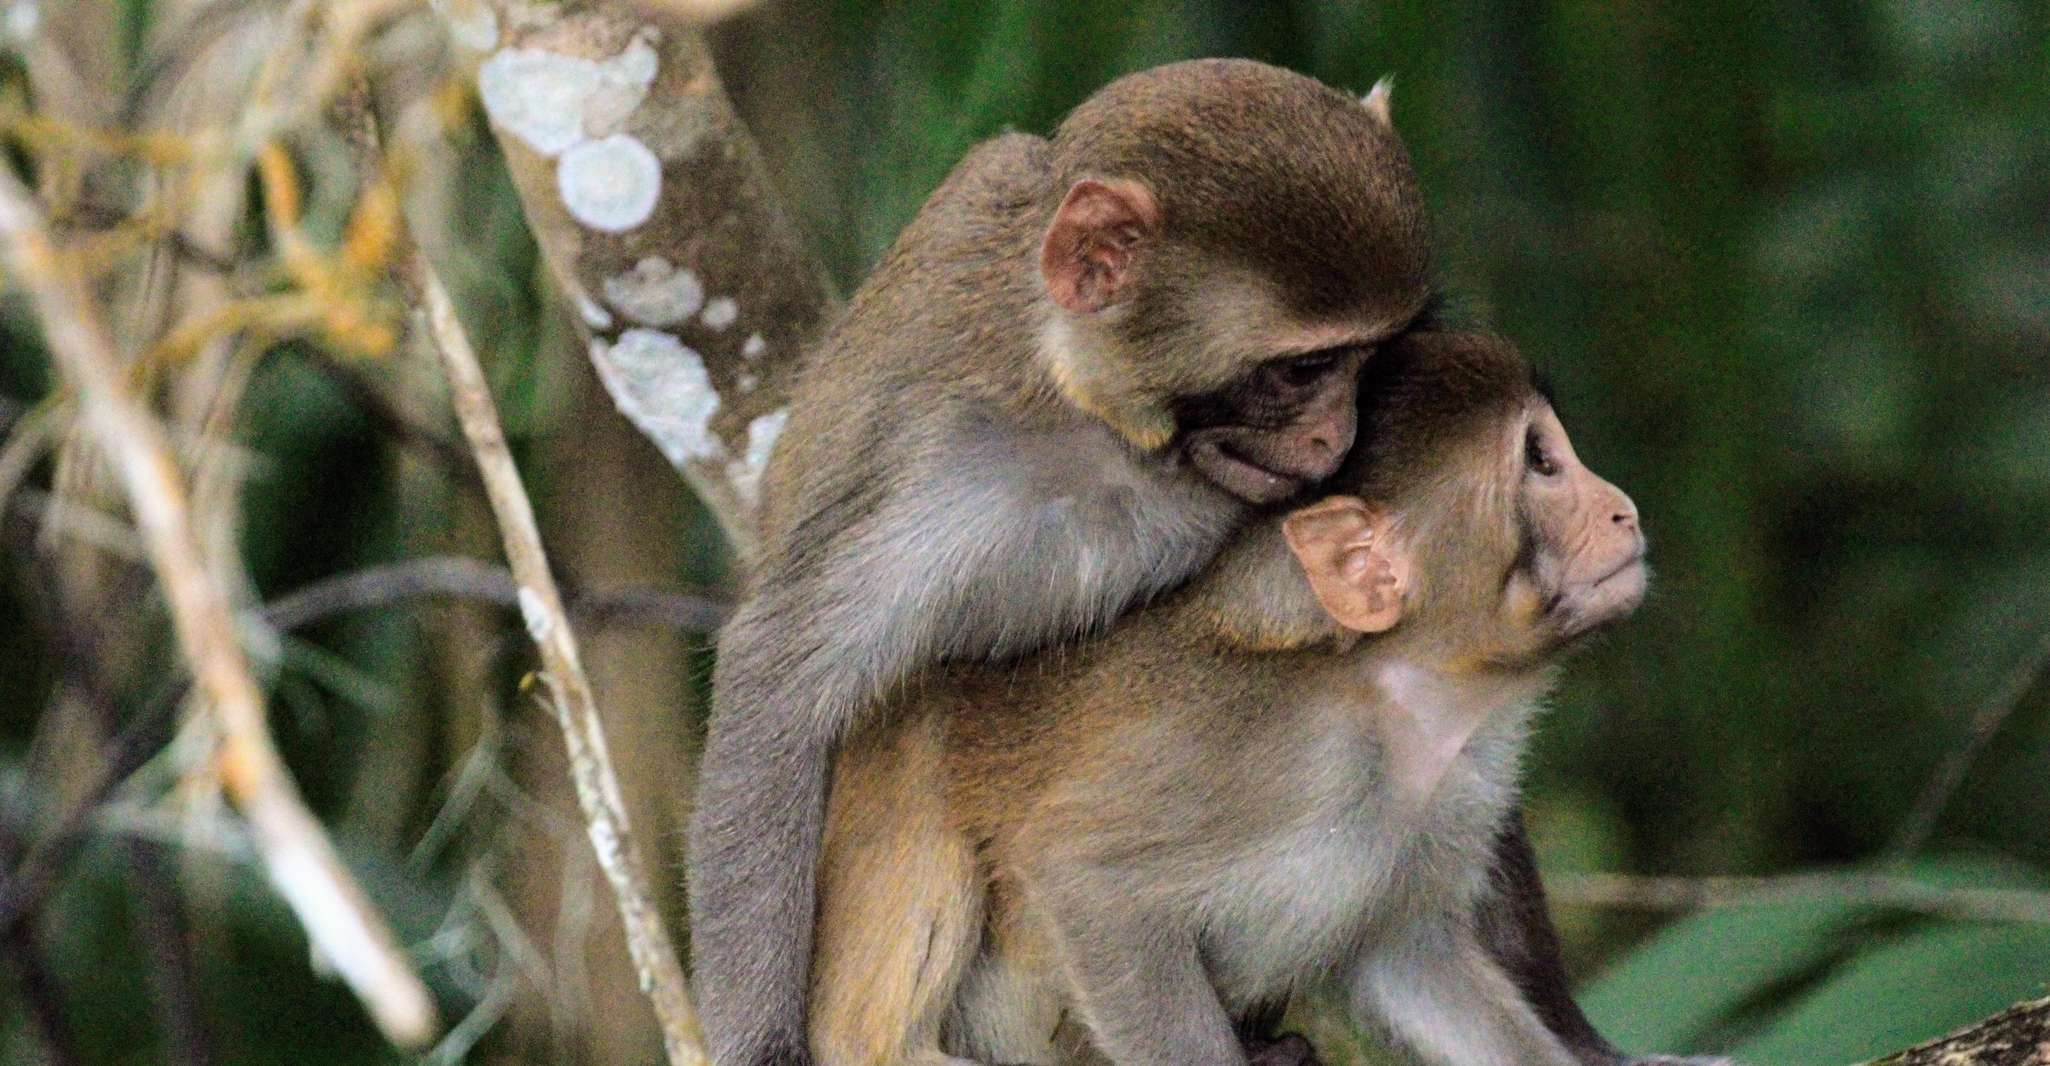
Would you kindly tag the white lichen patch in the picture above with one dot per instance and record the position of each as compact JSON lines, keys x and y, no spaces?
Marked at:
{"x":754,"y":347}
{"x":610,"y":184}
{"x":555,"y":102}
{"x":531,"y":14}
{"x":593,"y":315}
{"x":655,"y":292}
{"x":721,"y":312}
{"x":745,"y":473}
{"x":748,"y":382}
{"x":661,"y":386}
{"x":622,"y":84}
{"x":21,"y":21}
{"x":538,"y":96}
{"x":470,"y":23}
{"x":539,"y":625}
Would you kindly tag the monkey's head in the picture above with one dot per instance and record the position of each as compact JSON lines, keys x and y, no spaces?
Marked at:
{"x":1226,"y":243}
{"x":1486,"y":541}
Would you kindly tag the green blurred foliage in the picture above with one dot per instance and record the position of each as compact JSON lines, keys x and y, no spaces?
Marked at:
{"x":1789,"y":266}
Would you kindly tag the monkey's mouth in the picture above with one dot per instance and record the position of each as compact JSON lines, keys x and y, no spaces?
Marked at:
{"x":1239,"y":474}
{"x":1607,"y":599}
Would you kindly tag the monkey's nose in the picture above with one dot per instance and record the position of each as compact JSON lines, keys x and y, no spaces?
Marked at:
{"x":1332,"y":440}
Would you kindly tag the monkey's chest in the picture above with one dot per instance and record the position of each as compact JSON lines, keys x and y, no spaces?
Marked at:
{"x":1354,"y":868}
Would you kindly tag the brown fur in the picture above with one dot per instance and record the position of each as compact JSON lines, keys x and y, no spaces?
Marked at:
{"x":1120,"y":776}
{"x":1040,"y":410}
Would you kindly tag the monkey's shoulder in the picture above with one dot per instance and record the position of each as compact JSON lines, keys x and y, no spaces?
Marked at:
{"x":1002,"y":175}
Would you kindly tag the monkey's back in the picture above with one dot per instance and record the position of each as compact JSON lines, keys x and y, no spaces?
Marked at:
{"x":1245,"y":794}
{"x":964,"y":240}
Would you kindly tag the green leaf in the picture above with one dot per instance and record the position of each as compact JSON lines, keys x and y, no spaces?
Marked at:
{"x":1672,"y":991}
{"x":1916,"y":988}
{"x":1668,"y":993}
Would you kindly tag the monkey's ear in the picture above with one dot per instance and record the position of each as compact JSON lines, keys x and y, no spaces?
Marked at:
{"x":1091,"y":250}
{"x":1377,"y":102}
{"x":1354,"y":568}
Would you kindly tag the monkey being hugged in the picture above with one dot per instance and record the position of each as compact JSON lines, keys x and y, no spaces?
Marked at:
{"x":1082,"y":366}
{"x":1293,"y":772}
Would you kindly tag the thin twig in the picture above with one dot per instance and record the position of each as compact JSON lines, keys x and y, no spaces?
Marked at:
{"x":1920,"y":823}
{"x":541,"y":604}
{"x":23,"y":959}
{"x":28,"y":964}
{"x":1880,"y":891}
{"x":464,"y":578}
{"x":95,"y":217}
{"x":371,"y":400}
{"x":160,"y":925}
{"x":597,"y":785}
{"x":23,"y":889}
{"x":159,"y":909}
{"x":301,"y":861}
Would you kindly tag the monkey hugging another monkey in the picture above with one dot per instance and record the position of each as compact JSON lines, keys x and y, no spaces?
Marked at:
{"x":1292,"y":772}
{"x":1087,"y":363}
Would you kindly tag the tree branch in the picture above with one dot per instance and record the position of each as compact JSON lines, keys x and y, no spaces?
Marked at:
{"x":541,"y":604}
{"x":460,"y":577}
{"x":1877,"y":890}
{"x":301,"y":861}
{"x":2017,"y":1036}
{"x":658,"y":220}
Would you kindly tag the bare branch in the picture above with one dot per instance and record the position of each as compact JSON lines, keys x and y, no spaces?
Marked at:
{"x":1885,"y":891}
{"x":460,"y":577}
{"x":301,"y":861}
{"x":2017,"y":1036}
{"x":541,"y":604}
{"x":1920,"y":824}
{"x":655,"y":213}
{"x":160,"y":925}
{"x":28,"y":964}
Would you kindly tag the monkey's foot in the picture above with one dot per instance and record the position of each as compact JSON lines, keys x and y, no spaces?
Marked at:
{"x":1288,"y":1049}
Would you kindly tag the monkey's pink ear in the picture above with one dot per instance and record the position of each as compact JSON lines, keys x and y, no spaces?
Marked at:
{"x":1355,"y":570}
{"x":1091,"y":250}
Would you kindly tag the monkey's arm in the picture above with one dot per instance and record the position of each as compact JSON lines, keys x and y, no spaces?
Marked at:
{"x":1142,"y":986}
{"x":1516,"y":928}
{"x":936,"y":564}
{"x":1440,"y":993}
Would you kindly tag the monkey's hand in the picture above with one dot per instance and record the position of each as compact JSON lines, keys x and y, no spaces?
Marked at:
{"x":1287,"y":1049}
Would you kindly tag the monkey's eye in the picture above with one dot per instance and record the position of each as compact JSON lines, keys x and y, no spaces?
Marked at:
{"x":1537,"y":458}
{"x":1303,"y":370}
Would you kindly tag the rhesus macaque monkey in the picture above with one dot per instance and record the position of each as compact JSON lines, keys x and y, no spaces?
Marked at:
{"x":1292,"y":772}
{"x":1084,"y":363}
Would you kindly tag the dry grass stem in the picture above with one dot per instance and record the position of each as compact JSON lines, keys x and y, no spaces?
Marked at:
{"x":301,"y":861}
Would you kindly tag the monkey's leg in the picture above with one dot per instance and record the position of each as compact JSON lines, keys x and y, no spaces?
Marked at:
{"x":1516,"y":928}
{"x":1142,"y":988}
{"x":1440,"y":993}
{"x":900,"y":906}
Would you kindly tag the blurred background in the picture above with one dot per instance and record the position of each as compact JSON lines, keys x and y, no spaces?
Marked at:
{"x":1788,"y":266}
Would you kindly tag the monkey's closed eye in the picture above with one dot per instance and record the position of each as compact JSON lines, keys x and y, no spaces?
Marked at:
{"x":1304,"y":370}
{"x":1535,"y":456}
